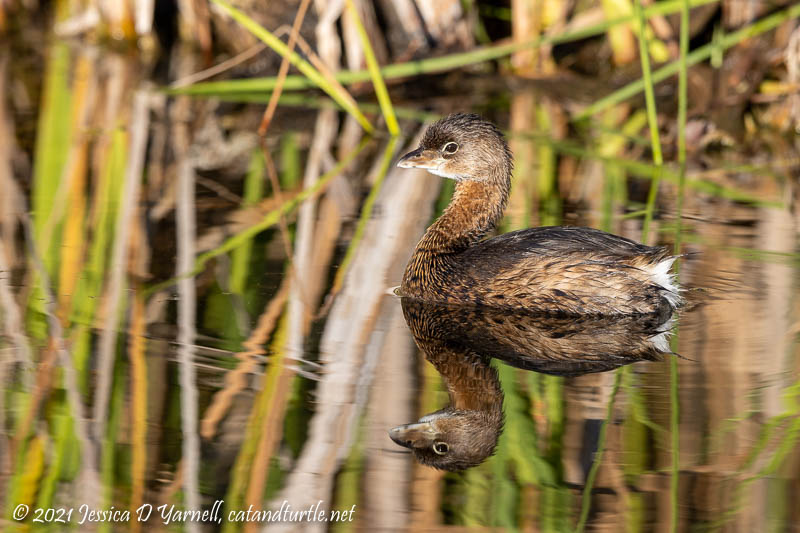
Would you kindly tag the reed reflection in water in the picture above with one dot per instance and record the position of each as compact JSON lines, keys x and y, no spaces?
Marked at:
{"x":302,"y":362}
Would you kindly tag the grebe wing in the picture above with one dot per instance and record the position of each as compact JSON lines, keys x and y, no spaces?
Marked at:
{"x":566,"y":240}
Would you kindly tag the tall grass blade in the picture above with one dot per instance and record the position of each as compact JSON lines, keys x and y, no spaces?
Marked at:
{"x":240,"y":473}
{"x":649,"y":91}
{"x":530,"y":466}
{"x":683,"y":77}
{"x":375,"y":72}
{"x":108,"y":450}
{"x":586,"y":499}
{"x":366,"y":213}
{"x":54,"y":134}
{"x":341,"y":96}
{"x":291,"y":166}
{"x":119,"y":257}
{"x":430,"y":65}
{"x":349,"y":481}
{"x":674,"y":401}
{"x":278,"y":381}
{"x":269,"y":220}
{"x":649,"y":171}
{"x":74,"y":178}
{"x":107,"y":192}
{"x":53,"y":138}
{"x":253,"y":191}
{"x":62,"y":437}
{"x":137,"y":356}
{"x":701,"y":54}
{"x":25,"y":483}
{"x":187,"y":307}
{"x":652,"y":119}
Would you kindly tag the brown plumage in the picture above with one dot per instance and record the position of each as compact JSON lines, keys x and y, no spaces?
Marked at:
{"x":560,"y":270}
{"x":460,"y":340}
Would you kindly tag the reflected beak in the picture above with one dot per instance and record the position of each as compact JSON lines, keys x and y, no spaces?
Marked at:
{"x":418,"y":435}
{"x":420,"y":158}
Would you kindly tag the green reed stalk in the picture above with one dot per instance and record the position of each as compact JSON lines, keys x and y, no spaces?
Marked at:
{"x":109,"y":458}
{"x":85,"y":303}
{"x":683,"y":68}
{"x":612,"y":141}
{"x":472,"y":11}
{"x":474,"y":489}
{"x":312,"y":101}
{"x":366,"y":213}
{"x":495,"y":12}
{"x":349,"y":484}
{"x":253,"y":191}
{"x":526,"y":450}
{"x":674,"y":419}
{"x":502,"y":495}
{"x":426,"y":66}
{"x":313,"y":75}
{"x":54,"y":136}
{"x":674,"y":401}
{"x":375,"y":73}
{"x":549,"y":200}
{"x":53,"y":140}
{"x":270,"y":219}
{"x":291,"y":165}
{"x":701,"y":54}
{"x":658,"y":161}
{"x":62,"y":438}
{"x":652,"y":119}
{"x":786,"y":445}
{"x":240,"y":472}
{"x":586,"y":498}
{"x":649,"y":171}
{"x":636,"y":399}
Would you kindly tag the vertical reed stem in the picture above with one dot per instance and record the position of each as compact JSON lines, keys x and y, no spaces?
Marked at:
{"x":673,"y":362}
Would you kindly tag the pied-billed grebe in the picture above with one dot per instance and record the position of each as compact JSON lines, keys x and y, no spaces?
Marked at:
{"x":460,"y":340}
{"x":562,"y":270}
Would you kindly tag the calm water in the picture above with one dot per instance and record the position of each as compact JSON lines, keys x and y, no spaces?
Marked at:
{"x":268,"y":378}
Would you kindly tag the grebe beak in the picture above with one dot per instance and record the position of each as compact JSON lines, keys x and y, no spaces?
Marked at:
{"x":418,"y":435}
{"x":420,"y":158}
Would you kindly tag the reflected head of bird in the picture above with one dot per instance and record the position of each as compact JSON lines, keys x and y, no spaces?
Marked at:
{"x":451,"y":439}
{"x":462,"y":147}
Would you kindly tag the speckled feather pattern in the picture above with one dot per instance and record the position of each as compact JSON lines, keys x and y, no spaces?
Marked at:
{"x":471,"y":424}
{"x":567,"y":345}
{"x":559,"y":270}
{"x":459,"y":341}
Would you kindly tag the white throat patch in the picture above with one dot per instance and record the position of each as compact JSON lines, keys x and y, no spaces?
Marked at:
{"x":439,"y":173}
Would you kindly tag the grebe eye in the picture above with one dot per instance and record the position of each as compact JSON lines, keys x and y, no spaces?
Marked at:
{"x":450,"y":148}
{"x":441,"y":448}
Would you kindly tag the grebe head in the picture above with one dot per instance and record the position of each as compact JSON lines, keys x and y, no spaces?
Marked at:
{"x":462,"y":147}
{"x":450,"y":439}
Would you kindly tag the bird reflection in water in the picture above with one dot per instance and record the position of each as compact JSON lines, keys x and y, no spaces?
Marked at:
{"x":461,"y":340}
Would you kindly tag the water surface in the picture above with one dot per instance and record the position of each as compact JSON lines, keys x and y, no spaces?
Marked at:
{"x":170,"y":337}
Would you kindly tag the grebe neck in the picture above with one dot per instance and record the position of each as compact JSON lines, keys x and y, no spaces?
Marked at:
{"x":471,"y":382}
{"x":474,"y":211}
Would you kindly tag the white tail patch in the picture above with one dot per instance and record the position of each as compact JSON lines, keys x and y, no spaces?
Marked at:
{"x":661,"y":340}
{"x":660,"y":275}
